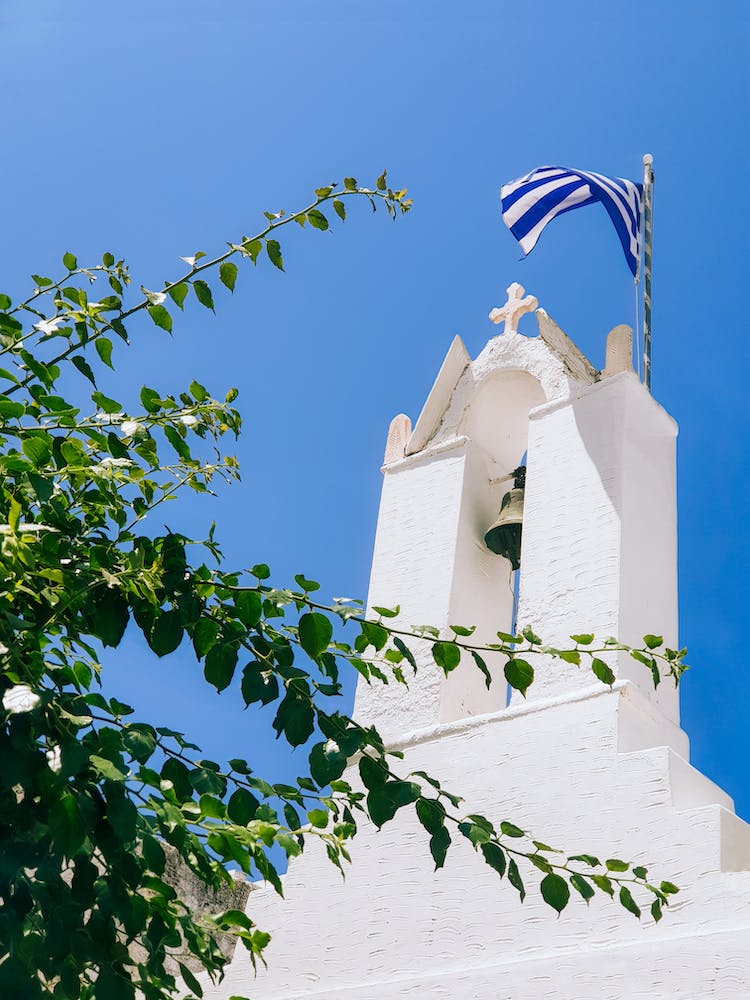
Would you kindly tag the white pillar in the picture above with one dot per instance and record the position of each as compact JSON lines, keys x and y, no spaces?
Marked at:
{"x":599,"y":551}
{"x":430,"y":559}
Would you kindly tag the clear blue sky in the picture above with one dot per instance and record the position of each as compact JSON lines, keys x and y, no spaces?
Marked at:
{"x":155,"y":130}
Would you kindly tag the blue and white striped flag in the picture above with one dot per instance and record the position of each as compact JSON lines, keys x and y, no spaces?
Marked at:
{"x":530,"y":202}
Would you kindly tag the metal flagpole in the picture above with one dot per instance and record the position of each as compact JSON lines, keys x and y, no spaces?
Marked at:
{"x":648,"y":240}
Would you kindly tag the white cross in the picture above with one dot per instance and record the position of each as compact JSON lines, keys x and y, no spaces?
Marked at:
{"x":514,"y":308}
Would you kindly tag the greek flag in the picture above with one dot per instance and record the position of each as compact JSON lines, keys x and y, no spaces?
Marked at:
{"x":530,"y":202}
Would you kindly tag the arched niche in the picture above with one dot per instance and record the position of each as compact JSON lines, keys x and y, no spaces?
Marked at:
{"x":496,"y":422}
{"x":497,"y":418}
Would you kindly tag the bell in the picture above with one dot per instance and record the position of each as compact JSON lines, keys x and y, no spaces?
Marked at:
{"x":504,"y":537}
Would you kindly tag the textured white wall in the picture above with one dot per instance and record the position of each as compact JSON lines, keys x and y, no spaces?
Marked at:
{"x":395,"y":929}
{"x":583,"y":767}
{"x":600,"y":533}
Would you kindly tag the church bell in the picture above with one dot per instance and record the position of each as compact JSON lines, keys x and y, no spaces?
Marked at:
{"x":504,"y":536}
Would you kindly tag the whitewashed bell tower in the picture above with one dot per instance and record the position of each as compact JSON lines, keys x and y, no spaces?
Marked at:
{"x":582,"y":765}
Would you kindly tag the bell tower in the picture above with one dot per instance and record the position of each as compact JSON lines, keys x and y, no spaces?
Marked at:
{"x":598,"y":548}
{"x":579,"y":764}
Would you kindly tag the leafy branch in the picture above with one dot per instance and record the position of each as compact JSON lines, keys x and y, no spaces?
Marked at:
{"x":92,"y":800}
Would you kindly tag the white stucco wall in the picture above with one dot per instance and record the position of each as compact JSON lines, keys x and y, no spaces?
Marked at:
{"x":396,"y":929}
{"x":581,"y":766}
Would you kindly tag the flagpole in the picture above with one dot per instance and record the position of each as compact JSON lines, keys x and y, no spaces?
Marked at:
{"x":648,"y":240}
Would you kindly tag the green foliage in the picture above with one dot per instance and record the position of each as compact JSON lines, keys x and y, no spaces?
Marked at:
{"x":91,"y":798}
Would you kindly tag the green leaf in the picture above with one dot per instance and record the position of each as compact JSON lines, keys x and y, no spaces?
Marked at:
{"x":258,"y":685}
{"x":383,"y":801}
{"x":511,"y":830}
{"x":514,"y":877}
{"x":249,"y":605}
{"x":178,"y":293}
{"x":350,"y":184}
{"x":440,"y":841}
{"x":339,"y":208}
{"x":446,"y":655}
{"x":603,"y":883}
{"x":653,"y":641}
{"x":38,"y":449}
{"x":242,"y":807}
{"x":161,"y":317}
{"x":380,"y":183}
{"x":199,"y":392}
{"x":494,"y":855}
{"x":431,"y":814}
{"x":274,"y":254}
{"x":110,"y":616}
{"x":476,"y":833}
{"x":583,"y":639}
{"x":483,"y":667}
{"x":43,"y":486}
{"x":326,"y":764}
{"x":602,"y":671}
{"x":405,"y":651}
{"x":252,"y":248}
{"x":70,"y":261}
{"x":65,"y":823}
{"x":530,"y":635}
{"x":167,"y":633}
{"x":587,"y":859}
{"x":581,"y":886}
{"x":374,"y":773}
{"x":212,"y":807}
{"x":5,"y":301}
{"x":104,"y":350}
{"x":669,"y":888}
{"x":172,"y":435}
{"x":315,"y":632}
{"x":219,"y":665}
{"x":519,"y":674}
{"x":140,"y":741}
{"x":228,"y":274}
{"x":615,"y":865}
{"x":628,"y":902}
{"x":205,"y":633}
{"x":105,"y":404}
{"x":656,"y":910}
{"x":190,"y":981}
{"x":318,"y":818}
{"x":555,"y":891}
{"x":107,"y":768}
{"x":372,"y":635}
{"x":295,"y":717}
{"x":203,"y":293}
{"x":317,"y":220}
{"x":84,"y":368}
{"x":540,"y":862}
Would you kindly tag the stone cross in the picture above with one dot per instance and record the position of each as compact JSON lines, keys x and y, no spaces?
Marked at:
{"x":514,"y":308}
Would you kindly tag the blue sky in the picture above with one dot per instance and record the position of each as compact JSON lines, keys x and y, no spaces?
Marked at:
{"x":155,"y":130}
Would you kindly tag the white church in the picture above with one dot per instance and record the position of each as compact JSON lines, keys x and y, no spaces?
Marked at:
{"x":583,"y":766}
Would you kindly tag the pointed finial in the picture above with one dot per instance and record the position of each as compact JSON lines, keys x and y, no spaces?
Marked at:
{"x":514,"y":308}
{"x":399,"y":433}
{"x":619,"y":351}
